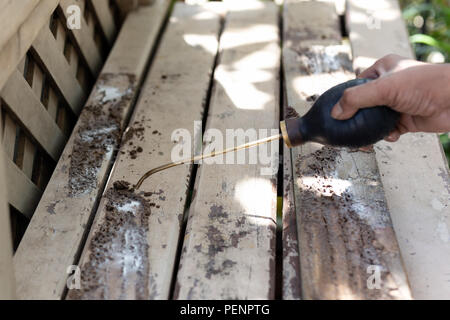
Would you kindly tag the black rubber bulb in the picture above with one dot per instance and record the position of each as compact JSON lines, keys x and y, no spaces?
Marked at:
{"x":366,"y":127}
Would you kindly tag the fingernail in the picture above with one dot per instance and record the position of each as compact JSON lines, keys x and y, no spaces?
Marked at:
{"x":337,"y":111}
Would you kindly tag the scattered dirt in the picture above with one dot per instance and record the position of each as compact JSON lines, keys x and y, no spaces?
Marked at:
{"x":118,"y":251}
{"x":99,"y":131}
{"x":135,"y":131}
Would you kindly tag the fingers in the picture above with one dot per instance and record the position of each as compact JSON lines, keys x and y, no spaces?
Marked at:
{"x":381,"y":66}
{"x":370,"y":73}
{"x":367,"y":95}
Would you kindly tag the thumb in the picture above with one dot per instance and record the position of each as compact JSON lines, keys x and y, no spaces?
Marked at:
{"x":363,"y":96}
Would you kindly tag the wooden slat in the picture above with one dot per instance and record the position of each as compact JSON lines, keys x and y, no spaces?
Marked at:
{"x":7,"y":282}
{"x":53,"y":236}
{"x":45,"y":46}
{"x":106,"y":19}
{"x":16,"y":47}
{"x":29,"y":110}
{"x":12,"y":16}
{"x":84,"y":39}
{"x":344,"y":228}
{"x":229,"y":246}
{"x":414,"y":170}
{"x":22,"y":193}
{"x":172,"y":98}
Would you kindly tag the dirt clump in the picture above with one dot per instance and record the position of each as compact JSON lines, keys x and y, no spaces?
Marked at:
{"x":118,"y":249}
{"x":99,"y":130}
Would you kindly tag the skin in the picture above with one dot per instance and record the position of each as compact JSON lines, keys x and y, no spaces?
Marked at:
{"x":419,"y":91}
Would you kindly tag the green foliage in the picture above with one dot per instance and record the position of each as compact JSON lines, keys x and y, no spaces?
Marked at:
{"x":429,"y":26}
{"x":429,"y":23}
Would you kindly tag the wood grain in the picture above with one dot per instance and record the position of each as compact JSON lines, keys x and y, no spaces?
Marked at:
{"x":173,"y":98}
{"x":414,"y":170}
{"x":344,"y":228}
{"x":229,"y":245}
{"x":25,"y":105}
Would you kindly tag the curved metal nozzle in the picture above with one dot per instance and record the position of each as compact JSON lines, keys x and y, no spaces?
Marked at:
{"x":204,"y":156}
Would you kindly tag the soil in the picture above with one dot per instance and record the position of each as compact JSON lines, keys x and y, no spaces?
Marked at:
{"x":98,"y":132}
{"x":118,"y":250}
{"x":330,"y":210}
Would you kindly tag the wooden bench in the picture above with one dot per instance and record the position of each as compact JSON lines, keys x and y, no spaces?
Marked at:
{"x":330,"y":224}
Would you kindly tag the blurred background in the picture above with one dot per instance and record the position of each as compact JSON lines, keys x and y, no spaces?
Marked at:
{"x":428,"y":24}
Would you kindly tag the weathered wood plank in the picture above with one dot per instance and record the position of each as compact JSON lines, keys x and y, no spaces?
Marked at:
{"x":53,"y":236}
{"x":345,"y":232}
{"x":29,"y":110}
{"x":106,"y":19}
{"x":173,"y":98}
{"x":84,"y":39}
{"x":413,"y":170}
{"x":229,"y":246}
{"x":7,"y":281}
{"x":16,"y":47}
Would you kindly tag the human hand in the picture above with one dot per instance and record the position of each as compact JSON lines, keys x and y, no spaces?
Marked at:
{"x":419,"y":91}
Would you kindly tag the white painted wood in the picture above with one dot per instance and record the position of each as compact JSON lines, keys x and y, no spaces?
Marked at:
{"x":344,"y":227}
{"x":414,"y":170}
{"x":15,"y":48}
{"x":47,"y":49}
{"x":7,"y":281}
{"x":173,"y":98}
{"x":229,"y":245}
{"x":106,"y":19}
